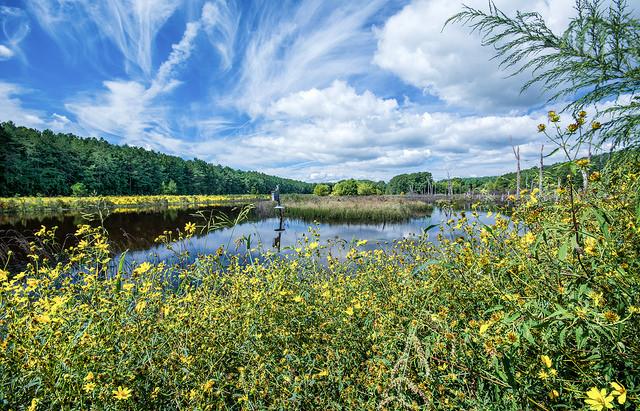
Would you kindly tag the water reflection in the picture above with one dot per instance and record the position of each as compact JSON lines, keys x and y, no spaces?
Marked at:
{"x":136,"y":232}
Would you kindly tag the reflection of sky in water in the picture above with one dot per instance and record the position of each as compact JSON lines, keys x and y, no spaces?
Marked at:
{"x":262,"y":235}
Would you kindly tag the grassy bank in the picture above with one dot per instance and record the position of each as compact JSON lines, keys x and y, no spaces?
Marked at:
{"x":117,"y":203}
{"x":491,"y":321}
{"x":355,"y":209}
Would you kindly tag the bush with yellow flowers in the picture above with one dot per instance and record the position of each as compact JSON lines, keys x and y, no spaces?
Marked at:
{"x":538,"y":310}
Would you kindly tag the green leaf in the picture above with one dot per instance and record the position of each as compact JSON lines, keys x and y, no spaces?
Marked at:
{"x":121,"y":262}
{"x":526,"y":333}
{"x":562,"y":252}
{"x":552,"y":152}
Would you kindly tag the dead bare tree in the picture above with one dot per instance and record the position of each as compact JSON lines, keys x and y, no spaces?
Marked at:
{"x":516,"y":153}
{"x":540,"y":175}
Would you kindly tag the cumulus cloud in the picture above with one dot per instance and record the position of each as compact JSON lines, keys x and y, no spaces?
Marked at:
{"x":336,"y":132}
{"x":5,"y":52}
{"x":450,"y":63}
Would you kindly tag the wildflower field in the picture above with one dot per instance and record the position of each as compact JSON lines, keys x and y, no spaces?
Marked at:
{"x":537,"y":312}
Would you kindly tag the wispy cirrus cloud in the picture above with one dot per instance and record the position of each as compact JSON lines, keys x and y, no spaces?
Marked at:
{"x":309,"y":46}
{"x":130,"y":25}
{"x":134,"y":110}
{"x":15,"y":27}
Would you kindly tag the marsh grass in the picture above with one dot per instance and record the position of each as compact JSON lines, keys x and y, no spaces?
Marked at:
{"x":354,"y":209}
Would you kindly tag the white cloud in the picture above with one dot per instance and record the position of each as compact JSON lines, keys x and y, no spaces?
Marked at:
{"x":5,"y":52}
{"x":12,"y":108}
{"x":220,"y":22}
{"x":336,"y":132}
{"x":311,"y":47}
{"x":15,"y":27}
{"x":131,"y":25}
{"x":134,"y":111}
{"x":450,"y":63}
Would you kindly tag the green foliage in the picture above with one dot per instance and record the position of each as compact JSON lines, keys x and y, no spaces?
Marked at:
{"x":170,"y":188}
{"x":48,"y":163}
{"x":596,"y":59}
{"x":322,"y":190}
{"x":345,"y":188}
{"x":79,"y":190}
{"x":366,"y":189}
{"x":419,"y":183}
{"x":353,"y":187}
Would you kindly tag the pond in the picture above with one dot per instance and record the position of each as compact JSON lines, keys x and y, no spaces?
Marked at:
{"x":136,"y":231}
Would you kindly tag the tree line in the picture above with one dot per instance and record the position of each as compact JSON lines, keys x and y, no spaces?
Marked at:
{"x":45,"y":163}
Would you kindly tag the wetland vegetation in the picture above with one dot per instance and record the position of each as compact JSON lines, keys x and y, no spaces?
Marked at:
{"x":533,"y":307}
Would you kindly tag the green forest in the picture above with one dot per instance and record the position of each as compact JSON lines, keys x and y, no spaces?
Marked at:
{"x":45,"y":163}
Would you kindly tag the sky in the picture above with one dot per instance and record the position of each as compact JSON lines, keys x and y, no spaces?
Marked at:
{"x":316,"y":90}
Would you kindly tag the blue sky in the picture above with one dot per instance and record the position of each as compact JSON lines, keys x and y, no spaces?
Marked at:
{"x":317,"y":90}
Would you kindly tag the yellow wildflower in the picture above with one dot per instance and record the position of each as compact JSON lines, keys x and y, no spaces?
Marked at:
{"x":322,"y":373}
{"x":620,"y":392}
{"x":34,"y":405}
{"x":313,"y":246}
{"x":142,"y":268}
{"x":595,"y":125}
{"x":483,"y":328}
{"x":541,"y":128}
{"x":349,"y":311}
{"x":122,"y":393}
{"x":546,"y":360}
{"x":598,"y":400}
{"x":611,"y":317}
{"x":89,"y":387}
{"x":89,"y":377}
{"x":553,"y":394}
{"x":298,"y":299}
{"x":583,"y":162}
{"x":527,"y":239}
{"x":207,"y":386}
{"x":190,"y":228}
{"x":590,"y":245}
{"x":543,"y":375}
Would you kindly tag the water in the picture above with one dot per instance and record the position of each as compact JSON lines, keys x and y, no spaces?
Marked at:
{"x":136,"y":232}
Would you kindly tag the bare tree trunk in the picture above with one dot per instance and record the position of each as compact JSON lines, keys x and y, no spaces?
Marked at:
{"x":516,"y":152}
{"x":449,"y":185}
{"x":541,"y":167}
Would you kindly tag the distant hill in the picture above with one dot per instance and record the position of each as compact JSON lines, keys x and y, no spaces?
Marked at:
{"x":44,"y":163}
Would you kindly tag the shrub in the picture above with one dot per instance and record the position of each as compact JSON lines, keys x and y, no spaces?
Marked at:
{"x":79,"y":190}
{"x":322,"y":190}
{"x":345,"y":188}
